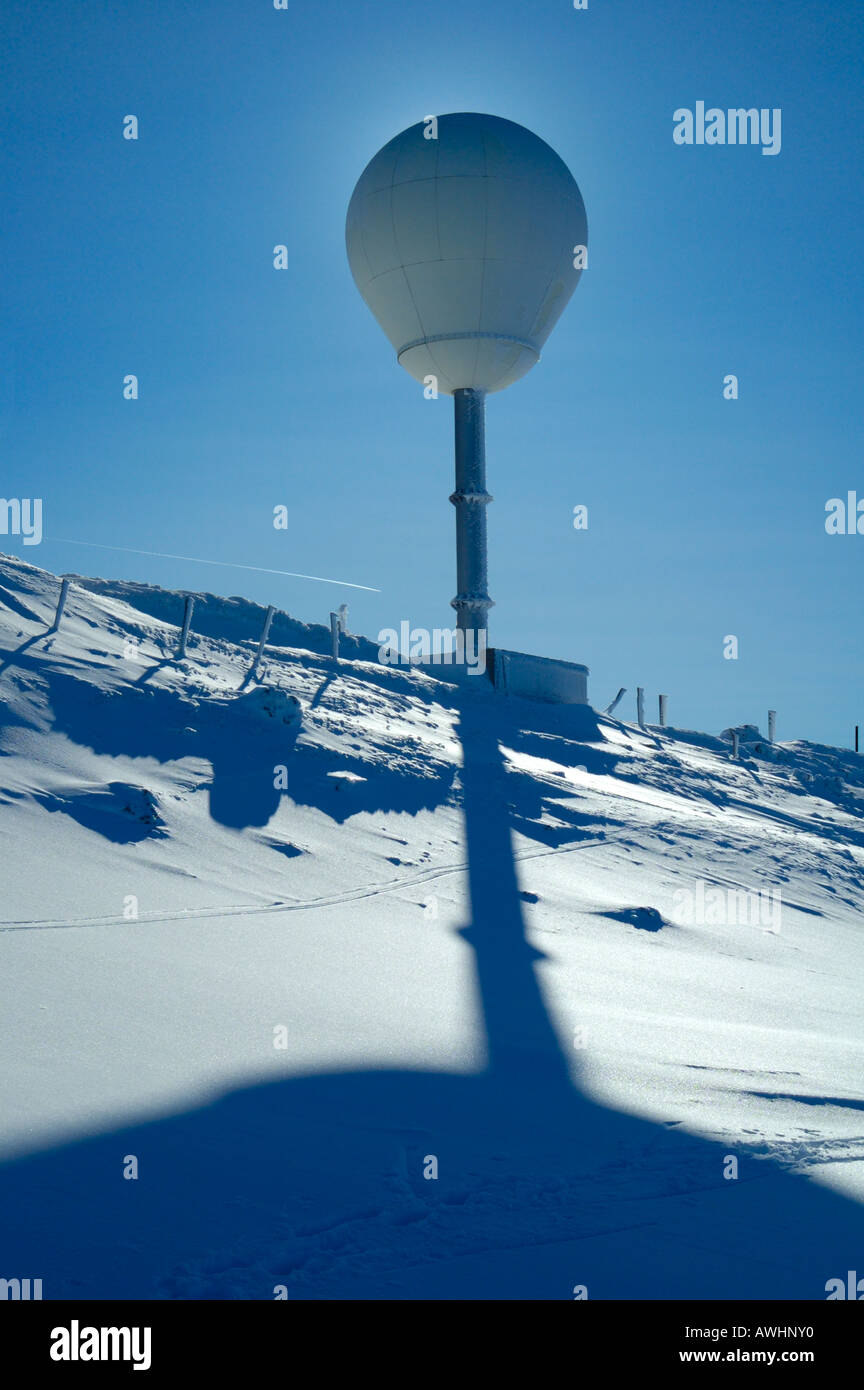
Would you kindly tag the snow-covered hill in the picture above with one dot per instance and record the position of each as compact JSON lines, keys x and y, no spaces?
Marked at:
{"x":292,"y":940}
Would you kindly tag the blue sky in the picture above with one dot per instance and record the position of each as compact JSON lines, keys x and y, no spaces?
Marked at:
{"x":261,"y":387}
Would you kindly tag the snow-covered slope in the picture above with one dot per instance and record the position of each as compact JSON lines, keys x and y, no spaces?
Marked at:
{"x":286,"y":938}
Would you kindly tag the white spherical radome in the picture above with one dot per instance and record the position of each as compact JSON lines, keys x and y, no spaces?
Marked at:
{"x":463,"y":248}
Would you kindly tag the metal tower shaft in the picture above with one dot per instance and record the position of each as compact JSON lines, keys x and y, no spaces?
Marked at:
{"x":470,"y":499}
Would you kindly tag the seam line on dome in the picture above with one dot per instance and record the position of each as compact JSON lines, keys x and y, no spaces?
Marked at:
{"x":452,"y":337}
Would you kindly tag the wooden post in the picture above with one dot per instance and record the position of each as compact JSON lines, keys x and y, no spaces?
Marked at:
{"x":772,"y":724}
{"x":334,"y":635}
{"x":856,"y":738}
{"x":734,"y":743}
{"x":640,"y":706}
{"x":61,"y":602}
{"x":663,"y":699}
{"x":616,"y":701}
{"x":187,"y":621}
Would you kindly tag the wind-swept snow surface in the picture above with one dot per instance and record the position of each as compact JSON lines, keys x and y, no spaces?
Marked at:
{"x":287,"y":944}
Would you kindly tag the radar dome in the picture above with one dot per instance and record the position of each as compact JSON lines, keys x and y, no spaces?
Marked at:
{"x":463,"y":247}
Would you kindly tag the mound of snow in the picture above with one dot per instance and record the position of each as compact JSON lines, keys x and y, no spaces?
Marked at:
{"x":268,"y":702}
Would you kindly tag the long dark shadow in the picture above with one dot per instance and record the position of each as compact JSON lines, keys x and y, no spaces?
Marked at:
{"x":523,"y":1046}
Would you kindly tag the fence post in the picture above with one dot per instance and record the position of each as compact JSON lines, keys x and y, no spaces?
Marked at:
{"x":734,"y":743}
{"x":663,"y":699}
{"x":187,"y":621}
{"x":856,"y":738}
{"x":640,"y":706}
{"x":343,"y":617}
{"x":616,"y":701}
{"x":772,"y":724}
{"x":265,"y":633}
{"x":334,"y":635}
{"x":61,"y":602}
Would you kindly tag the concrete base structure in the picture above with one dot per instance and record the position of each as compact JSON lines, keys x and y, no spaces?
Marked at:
{"x":537,"y":677}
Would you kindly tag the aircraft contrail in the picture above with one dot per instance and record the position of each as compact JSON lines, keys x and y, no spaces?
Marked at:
{"x":229,"y":564}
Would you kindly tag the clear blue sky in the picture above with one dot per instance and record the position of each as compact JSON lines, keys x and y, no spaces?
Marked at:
{"x":260,"y":387}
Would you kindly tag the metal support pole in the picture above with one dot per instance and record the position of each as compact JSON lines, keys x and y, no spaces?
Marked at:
{"x":264,"y":635}
{"x":334,"y":635}
{"x":61,"y":602}
{"x":772,"y":724}
{"x":663,"y":699}
{"x":470,"y":499}
{"x":187,"y":622}
{"x":640,"y":706}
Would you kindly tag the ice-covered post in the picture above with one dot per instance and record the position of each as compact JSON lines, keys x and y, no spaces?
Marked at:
{"x":265,"y":633}
{"x":734,"y":743}
{"x":334,"y":635}
{"x":61,"y":602}
{"x":663,"y":699}
{"x":772,"y":724}
{"x":187,"y":622}
{"x":640,"y":706}
{"x":342,"y":610}
{"x":614,"y":705}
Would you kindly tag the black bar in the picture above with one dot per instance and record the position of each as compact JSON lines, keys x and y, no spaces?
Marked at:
{"x":231,"y":1338}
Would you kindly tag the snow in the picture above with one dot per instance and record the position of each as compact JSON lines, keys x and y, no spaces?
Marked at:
{"x":460,"y":914}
